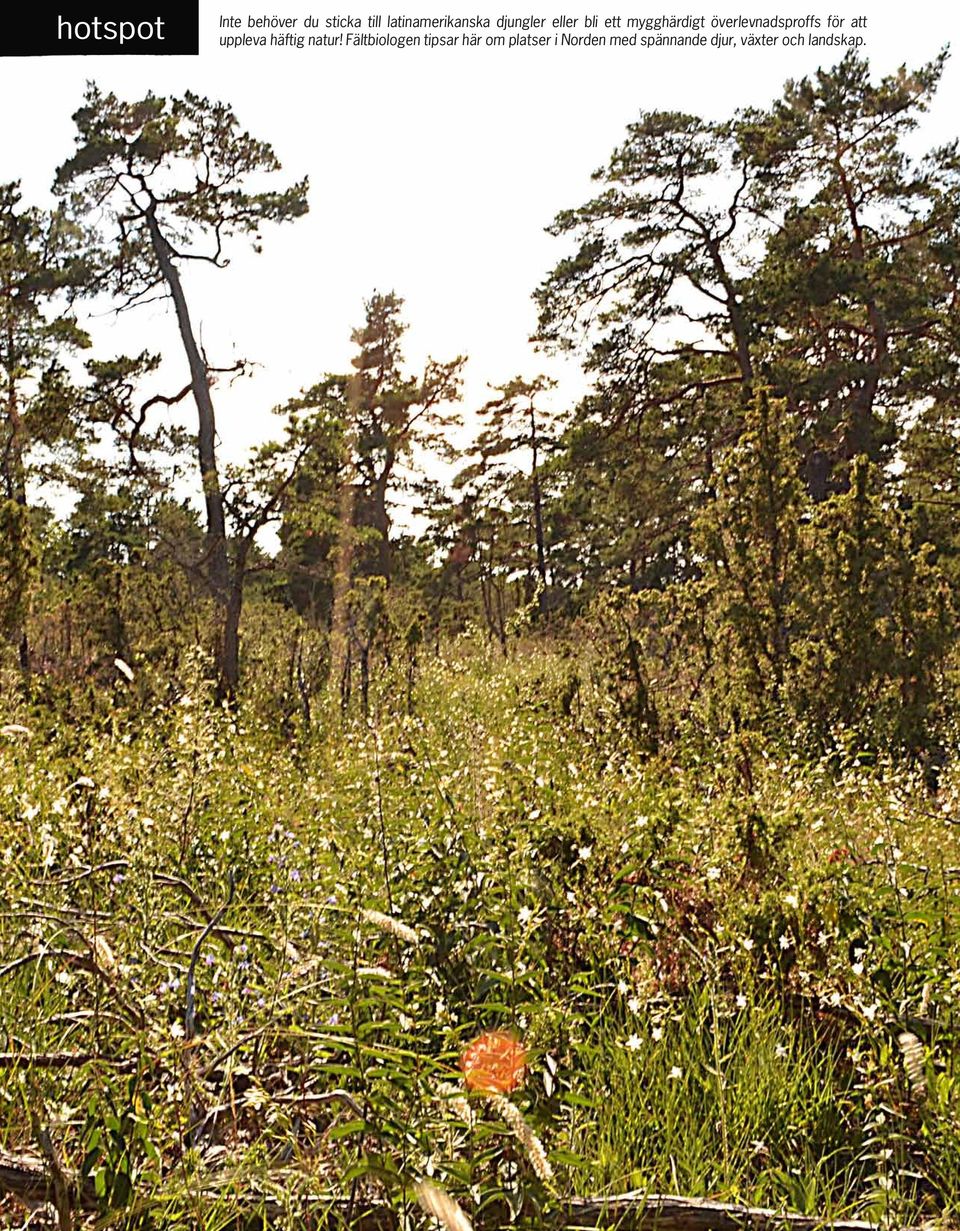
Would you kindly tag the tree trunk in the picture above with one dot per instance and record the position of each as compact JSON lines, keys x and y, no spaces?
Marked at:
{"x":340,"y":663}
{"x":217,"y":565}
{"x":381,"y":519}
{"x":229,"y":679}
{"x":365,"y":679}
{"x":538,"y":533}
{"x":738,"y":323}
{"x":860,"y":428}
{"x":15,"y":482}
{"x":229,"y":649}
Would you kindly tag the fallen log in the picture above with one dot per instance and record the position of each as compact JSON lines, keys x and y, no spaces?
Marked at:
{"x":60,"y":1060}
{"x":26,"y":1178}
{"x":640,"y":1211}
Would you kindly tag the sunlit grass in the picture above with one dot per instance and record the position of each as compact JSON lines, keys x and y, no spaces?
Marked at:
{"x":267,"y":957}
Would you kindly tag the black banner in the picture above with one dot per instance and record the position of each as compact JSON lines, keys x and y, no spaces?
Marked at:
{"x":69,"y":28}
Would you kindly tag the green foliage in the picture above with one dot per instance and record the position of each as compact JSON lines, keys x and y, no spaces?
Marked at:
{"x":310,"y":524}
{"x":798,"y":247}
{"x":120,"y":1161}
{"x":642,"y":750}
{"x":732,"y":1099}
{"x":179,"y":164}
{"x":18,"y":565}
{"x":389,"y":417}
{"x":748,"y":538}
{"x":709,"y":980}
{"x":879,"y":620}
{"x":812,"y":618}
{"x":514,"y":424}
{"x":42,"y":263}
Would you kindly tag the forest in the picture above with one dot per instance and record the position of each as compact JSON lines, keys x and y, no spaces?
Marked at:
{"x":524,"y":813}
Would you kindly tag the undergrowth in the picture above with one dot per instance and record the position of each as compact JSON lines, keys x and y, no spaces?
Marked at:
{"x":712,"y":960}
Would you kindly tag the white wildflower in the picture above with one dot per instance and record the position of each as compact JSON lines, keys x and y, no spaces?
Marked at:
{"x":374,"y":972}
{"x":440,"y":1205}
{"x":912,"y":1052}
{"x":103,"y":953}
{"x":9,"y":729}
{"x":48,"y":847}
{"x":533,"y":1147}
{"x":386,"y":923}
{"x":125,"y":670}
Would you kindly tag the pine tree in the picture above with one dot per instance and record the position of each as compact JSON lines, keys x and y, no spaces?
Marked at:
{"x":41,"y":266}
{"x":164,"y":182}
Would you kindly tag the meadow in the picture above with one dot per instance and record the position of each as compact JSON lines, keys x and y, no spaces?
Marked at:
{"x":535,"y":808}
{"x":241,"y":968}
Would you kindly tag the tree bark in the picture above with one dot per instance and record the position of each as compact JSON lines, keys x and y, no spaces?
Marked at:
{"x":380,"y":517}
{"x":217,"y":565}
{"x":229,"y":680}
{"x":538,"y":515}
{"x":15,"y":481}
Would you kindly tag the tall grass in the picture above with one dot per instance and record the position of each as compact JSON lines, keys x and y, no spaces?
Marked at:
{"x":263,"y":959}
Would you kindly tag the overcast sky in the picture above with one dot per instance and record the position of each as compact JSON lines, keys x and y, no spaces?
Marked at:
{"x":433,"y":173}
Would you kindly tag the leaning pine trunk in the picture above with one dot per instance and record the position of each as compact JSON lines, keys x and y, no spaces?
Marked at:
{"x":229,"y":655}
{"x":217,"y":567}
{"x":15,"y":482}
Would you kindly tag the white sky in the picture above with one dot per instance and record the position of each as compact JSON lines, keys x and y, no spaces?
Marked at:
{"x":433,"y":173}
